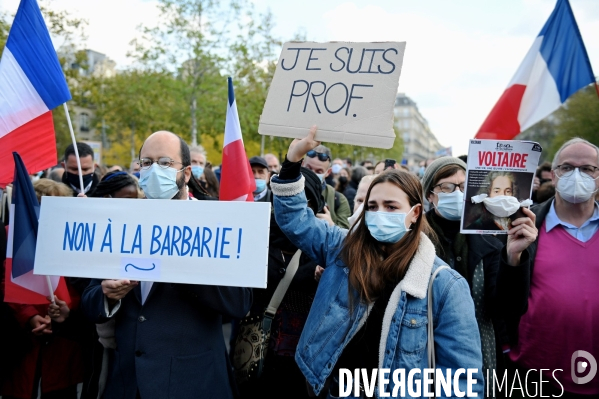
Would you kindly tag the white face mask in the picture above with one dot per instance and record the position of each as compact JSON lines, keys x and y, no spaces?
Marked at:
{"x":320,"y":176}
{"x":336,"y":168}
{"x":576,"y":188}
{"x":450,"y":205}
{"x":501,"y":206}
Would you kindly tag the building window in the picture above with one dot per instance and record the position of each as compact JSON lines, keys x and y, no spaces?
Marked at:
{"x":406,"y":111}
{"x":84,"y":122}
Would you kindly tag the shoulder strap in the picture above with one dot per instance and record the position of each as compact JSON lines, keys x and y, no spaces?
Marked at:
{"x":337,"y":200}
{"x":430,"y":327}
{"x":277,"y":297}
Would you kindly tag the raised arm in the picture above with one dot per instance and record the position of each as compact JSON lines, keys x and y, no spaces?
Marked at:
{"x":313,"y":236}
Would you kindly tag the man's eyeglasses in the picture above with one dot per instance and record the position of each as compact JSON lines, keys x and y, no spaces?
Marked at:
{"x":448,"y":187}
{"x":321,"y":155}
{"x":566,"y":170}
{"x":163,"y":162}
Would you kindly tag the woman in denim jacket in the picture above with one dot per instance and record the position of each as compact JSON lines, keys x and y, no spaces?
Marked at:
{"x":370,"y":309}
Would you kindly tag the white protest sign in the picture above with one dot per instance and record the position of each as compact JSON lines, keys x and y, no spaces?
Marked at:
{"x":194,"y":242}
{"x":347,"y":89}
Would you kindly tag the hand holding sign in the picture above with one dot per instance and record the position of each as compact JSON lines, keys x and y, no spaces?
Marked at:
{"x":299,"y":148}
{"x":115,"y":290}
{"x":520,"y":236}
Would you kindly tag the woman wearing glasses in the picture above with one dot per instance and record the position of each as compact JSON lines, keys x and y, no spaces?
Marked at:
{"x":476,"y":257}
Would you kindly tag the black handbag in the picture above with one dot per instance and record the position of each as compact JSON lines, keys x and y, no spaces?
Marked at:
{"x":251,"y":344}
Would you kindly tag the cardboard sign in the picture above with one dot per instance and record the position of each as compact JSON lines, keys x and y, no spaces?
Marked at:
{"x":193,"y":242}
{"x":500,"y":175}
{"x":347,"y":89}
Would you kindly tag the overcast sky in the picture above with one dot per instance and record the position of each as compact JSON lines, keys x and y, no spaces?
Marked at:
{"x":459,"y":57}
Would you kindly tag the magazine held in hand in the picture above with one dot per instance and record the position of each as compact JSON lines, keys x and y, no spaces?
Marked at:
{"x":499,"y":182}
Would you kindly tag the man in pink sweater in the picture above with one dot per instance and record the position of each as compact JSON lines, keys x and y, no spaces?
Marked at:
{"x":557,"y":334}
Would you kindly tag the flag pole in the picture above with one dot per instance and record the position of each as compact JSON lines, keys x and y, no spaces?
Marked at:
{"x":66,"y":111}
{"x":50,"y":289}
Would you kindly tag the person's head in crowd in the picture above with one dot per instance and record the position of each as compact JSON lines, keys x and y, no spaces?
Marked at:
{"x":115,"y":168}
{"x":443,"y":184}
{"x":366,"y":163}
{"x":404,"y":167}
{"x":261,"y":174}
{"x":379,"y":167}
{"x":576,"y":171}
{"x":101,"y":170}
{"x":51,"y":188}
{"x":117,"y":184}
{"x":198,"y":160}
{"x":342,"y":179}
{"x":134,"y":168}
{"x":348,"y":162}
{"x":389,"y":228}
{"x":357,"y":174}
{"x":463,"y":158}
{"x":56,"y":174}
{"x":71,"y":175}
{"x":273,"y":163}
{"x":166,"y":167}
{"x":545,"y":192}
{"x":210,"y":183}
{"x":337,"y":166}
{"x":319,"y":161}
{"x":544,"y":172}
{"x":361,"y":191}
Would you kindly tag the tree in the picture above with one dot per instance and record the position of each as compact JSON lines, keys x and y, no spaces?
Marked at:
{"x":191,"y":38}
{"x":136,"y":103}
{"x":4,"y":28}
{"x":578,"y":118}
{"x":544,"y":133}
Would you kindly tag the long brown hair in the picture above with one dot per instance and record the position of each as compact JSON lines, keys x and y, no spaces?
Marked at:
{"x":372,"y":264}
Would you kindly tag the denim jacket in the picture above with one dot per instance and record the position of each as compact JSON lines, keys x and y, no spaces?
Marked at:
{"x":331,"y":324}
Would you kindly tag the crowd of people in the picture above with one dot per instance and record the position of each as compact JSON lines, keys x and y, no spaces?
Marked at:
{"x":379,"y":257}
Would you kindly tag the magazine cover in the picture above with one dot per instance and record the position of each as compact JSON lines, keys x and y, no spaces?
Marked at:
{"x":499,"y":181}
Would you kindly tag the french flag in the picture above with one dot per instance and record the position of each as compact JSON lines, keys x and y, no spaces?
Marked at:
{"x":555,"y":67}
{"x":237,"y":180}
{"x":31,"y":85}
{"x":21,"y":285}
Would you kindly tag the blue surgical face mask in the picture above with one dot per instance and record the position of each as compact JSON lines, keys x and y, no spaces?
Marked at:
{"x":320,"y":176}
{"x":260,"y":185}
{"x":197,"y":171}
{"x":159,"y":183}
{"x":450,"y":205}
{"x":387,"y":227}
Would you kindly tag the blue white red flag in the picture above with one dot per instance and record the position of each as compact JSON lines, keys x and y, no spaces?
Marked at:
{"x":237,"y":180}
{"x":31,"y":85}
{"x":21,"y":285}
{"x":555,"y":67}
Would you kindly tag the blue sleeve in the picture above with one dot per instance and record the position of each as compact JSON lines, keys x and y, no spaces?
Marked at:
{"x":319,"y":241}
{"x":457,"y":340}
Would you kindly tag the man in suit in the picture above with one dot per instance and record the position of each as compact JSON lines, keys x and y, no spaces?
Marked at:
{"x":169,"y":340}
